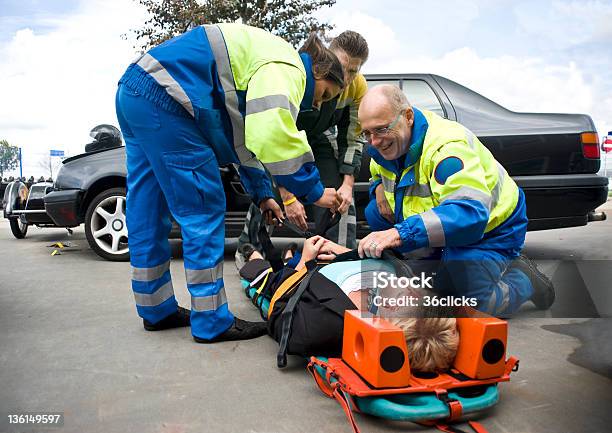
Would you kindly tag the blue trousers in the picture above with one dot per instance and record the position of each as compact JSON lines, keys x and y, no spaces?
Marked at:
{"x":480,"y":271}
{"x":172,"y":170}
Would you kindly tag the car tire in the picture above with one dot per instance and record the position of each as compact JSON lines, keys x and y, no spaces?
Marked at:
{"x":18,"y":228}
{"x":105,"y":225}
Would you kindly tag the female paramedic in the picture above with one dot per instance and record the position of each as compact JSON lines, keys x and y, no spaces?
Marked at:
{"x":216,"y":95}
{"x":333,"y":134}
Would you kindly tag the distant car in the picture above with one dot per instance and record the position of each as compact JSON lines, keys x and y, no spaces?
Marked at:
{"x":553,"y":157}
{"x":25,"y":206}
{"x":3,"y":186}
{"x":90,"y":188}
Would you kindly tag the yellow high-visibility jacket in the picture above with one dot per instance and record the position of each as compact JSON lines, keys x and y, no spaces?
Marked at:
{"x":448,"y":190}
{"x":243,"y":86}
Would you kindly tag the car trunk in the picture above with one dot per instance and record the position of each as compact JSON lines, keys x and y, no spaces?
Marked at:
{"x":526,"y":143}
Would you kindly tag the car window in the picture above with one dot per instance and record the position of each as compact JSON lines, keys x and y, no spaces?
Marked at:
{"x":374,"y":83}
{"x":422,"y":96}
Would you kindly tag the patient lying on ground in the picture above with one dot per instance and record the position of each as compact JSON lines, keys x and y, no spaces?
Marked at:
{"x":432,"y":341}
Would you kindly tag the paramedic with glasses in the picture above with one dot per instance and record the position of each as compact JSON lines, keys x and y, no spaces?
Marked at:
{"x":435,"y":185}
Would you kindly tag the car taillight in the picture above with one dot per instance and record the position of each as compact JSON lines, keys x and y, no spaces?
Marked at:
{"x":590,"y":145}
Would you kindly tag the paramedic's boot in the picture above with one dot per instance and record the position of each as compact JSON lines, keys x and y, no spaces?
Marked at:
{"x":240,"y":330}
{"x":543,"y":290}
{"x":175,"y":320}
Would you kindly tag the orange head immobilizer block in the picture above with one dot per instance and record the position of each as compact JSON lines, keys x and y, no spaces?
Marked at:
{"x":376,"y":350}
{"x":482,"y":345}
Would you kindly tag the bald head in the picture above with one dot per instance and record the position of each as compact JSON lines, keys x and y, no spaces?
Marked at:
{"x":385,"y":96}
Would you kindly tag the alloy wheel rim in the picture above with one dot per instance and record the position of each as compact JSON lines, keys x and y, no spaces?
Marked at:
{"x":108,"y":225}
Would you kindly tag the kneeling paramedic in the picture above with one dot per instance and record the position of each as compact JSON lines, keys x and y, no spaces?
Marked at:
{"x":216,"y":95}
{"x":435,"y":185}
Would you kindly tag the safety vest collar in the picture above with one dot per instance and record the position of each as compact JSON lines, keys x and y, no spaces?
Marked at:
{"x":308,"y":99}
{"x":415,"y":149}
{"x":419,"y":129}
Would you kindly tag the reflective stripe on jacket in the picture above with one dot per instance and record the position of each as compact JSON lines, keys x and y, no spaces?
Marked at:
{"x":448,"y":190}
{"x":243,"y":86}
{"x":349,"y":130}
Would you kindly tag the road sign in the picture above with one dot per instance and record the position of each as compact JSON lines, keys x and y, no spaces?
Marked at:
{"x":606,"y":144}
{"x":56,"y":153}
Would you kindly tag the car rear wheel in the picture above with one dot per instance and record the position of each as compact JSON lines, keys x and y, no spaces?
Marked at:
{"x":18,"y":228}
{"x":105,"y":225}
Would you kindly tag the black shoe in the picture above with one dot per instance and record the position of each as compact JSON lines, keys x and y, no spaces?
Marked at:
{"x":175,"y":320}
{"x":247,"y":250}
{"x":543,"y":290}
{"x":240,"y":330}
{"x":243,"y":254}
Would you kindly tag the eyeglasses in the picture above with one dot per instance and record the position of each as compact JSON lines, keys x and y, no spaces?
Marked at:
{"x":380,"y":132}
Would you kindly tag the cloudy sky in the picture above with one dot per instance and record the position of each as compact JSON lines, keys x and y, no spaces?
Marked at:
{"x":60,"y":59}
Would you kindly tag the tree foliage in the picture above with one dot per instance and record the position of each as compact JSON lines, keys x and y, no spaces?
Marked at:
{"x":9,"y":157}
{"x":289,"y":19}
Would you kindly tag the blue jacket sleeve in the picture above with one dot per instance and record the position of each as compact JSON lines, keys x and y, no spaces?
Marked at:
{"x":256,"y":182}
{"x":304,"y":183}
{"x":452,"y":223}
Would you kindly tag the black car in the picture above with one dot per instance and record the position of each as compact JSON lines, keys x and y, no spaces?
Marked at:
{"x":553,"y":157}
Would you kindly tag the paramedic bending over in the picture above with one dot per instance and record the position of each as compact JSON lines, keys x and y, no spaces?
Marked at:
{"x":216,"y":95}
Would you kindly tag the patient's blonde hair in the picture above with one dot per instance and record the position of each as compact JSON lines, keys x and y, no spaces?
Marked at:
{"x":432,"y":341}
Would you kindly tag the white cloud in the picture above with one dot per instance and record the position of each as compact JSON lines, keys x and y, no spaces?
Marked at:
{"x":380,"y":36}
{"x":563,"y":25}
{"x":519,"y":83}
{"x":56,"y":86}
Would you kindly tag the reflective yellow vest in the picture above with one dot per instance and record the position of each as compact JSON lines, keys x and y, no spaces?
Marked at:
{"x":348,"y":140}
{"x":453,"y":166}
{"x":271,"y":72}
{"x":243,"y":86}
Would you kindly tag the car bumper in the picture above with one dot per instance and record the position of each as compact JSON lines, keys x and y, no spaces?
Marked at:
{"x":63,"y":207}
{"x":563,"y":200}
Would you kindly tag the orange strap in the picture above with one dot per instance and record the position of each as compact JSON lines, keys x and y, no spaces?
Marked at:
{"x":340,"y":396}
{"x":454,"y":406}
{"x":477,"y":427}
{"x":285,"y":286}
{"x":323,"y":385}
{"x":511,"y":365}
{"x":456,"y":410}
